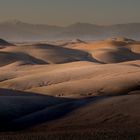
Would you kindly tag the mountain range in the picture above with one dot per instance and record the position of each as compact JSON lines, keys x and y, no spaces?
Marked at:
{"x":16,"y":30}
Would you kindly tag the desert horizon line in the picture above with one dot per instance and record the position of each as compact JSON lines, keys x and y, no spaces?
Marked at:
{"x":16,"y":21}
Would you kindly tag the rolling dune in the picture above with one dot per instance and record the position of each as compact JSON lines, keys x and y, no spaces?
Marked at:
{"x":50,"y":53}
{"x":112,"y":114}
{"x":75,"y":79}
{"x":113,"y":50}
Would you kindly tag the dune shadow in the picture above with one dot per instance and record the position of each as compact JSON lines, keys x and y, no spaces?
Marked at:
{"x":11,"y":57}
{"x":11,"y":92}
{"x":26,"y":111}
{"x":72,"y":54}
{"x":18,"y":104}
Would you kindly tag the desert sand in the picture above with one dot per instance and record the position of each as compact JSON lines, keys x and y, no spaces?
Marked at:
{"x":71,"y":88}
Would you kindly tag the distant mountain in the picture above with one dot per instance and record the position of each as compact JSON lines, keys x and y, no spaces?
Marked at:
{"x":20,"y":31}
{"x":16,"y":30}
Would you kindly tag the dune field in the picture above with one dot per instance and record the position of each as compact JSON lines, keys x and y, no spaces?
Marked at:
{"x":70,"y":88}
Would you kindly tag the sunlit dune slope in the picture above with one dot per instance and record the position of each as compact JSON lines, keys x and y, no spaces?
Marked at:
{"x":111,"y":50}
{"x":46,"y":53}
{"x":74,"y":79}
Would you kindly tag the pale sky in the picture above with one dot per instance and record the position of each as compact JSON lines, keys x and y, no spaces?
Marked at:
{"x":65,"y":12}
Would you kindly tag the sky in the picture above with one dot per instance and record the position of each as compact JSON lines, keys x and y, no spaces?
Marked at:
{"x":66,"y":12}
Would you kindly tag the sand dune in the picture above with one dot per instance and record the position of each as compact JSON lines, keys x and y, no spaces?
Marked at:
{"x":108,"y":51}
{"x":5,"y":43}
{"x":50,"y":53}
{"x":11,"y":57}
{"x":75,"y":79}
{"x":16,"y":104}
{"x":115,"y":55}
{"x":109,"y":80}
{"x":113,"y":114}
{"x":135,"y":48}
{"x":99,"y":115}
{"x":86,"y":77}
{"x":111,"y":50}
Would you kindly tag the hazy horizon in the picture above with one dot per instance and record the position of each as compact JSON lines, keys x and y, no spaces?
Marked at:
{"x":64,"y":12}
{"x":19,"y":20}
